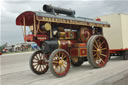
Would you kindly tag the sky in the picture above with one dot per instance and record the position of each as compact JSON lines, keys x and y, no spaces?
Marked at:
{"x":10,"y":9}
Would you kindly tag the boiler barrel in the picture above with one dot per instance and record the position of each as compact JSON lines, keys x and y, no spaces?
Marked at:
{"x":52,"y":9}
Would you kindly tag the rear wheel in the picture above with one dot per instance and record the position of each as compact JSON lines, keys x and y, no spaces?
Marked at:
{"x":39,"y":62}
{"x":97,"y":51}
{"x":59,"y":63}
{"x":77,"y":62}
{"x":125,"y":55}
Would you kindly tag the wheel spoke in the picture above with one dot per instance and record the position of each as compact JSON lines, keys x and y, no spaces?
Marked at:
{"x":43,"y":56}
{"x":56,"y":67}
{"x":59,"y":69}
{"x":36,"y":67}
{"x":64,"y":66}
{"x":37,"y":57}
{"x":58,"y":57}
{"x":96,"y":58}
{"x":55,"y":62}
{"x":65,"y":63}
{"x":39,"y":67}
{"x":104,"y":49}
{"x":103,"y":55}
{"x":59,"y":54}
{"x":43,"y":67}
{"x":94,"y":46}
{"x":101,"y":44}
{"x":96,"y":43}
{"x":95,"y":54}
{"x":94,"y":50}
{"x":101,"y":59}
{"x":35,"y":61}
{"x":64,"y":57}
{"x":40,"y":55}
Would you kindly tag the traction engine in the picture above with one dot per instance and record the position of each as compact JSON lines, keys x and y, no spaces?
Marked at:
{"x":63,"y":40}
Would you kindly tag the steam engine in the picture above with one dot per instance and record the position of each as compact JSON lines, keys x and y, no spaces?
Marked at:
{"x":63,"y":37}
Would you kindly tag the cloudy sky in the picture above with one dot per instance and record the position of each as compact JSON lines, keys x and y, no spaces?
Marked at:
{"x":10,"y":9}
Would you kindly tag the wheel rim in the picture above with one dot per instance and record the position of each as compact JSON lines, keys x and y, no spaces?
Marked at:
{"x":100,"y":51}
{"x":61,"y":63}
{"x":40,"y":62}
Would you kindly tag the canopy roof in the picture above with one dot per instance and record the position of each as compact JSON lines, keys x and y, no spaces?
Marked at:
{"x":29,"y":18}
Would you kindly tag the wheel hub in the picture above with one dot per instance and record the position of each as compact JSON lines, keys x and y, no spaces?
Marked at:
{"x":61,"y":62}
{"x":40,"y":62}
{"x":99,"y":52}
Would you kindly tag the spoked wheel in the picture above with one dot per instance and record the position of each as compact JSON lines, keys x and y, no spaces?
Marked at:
{"x":39,"y":62}
{"x":59,"y":62}
{"x":77,"y":62}
{"x":97,"y":51}
{"x":125,"y":55}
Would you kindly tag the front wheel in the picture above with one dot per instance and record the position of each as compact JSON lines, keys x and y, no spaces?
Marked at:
{"x":97,"y":51}
{"x":59,"y":63}
{"x":39,"y":62}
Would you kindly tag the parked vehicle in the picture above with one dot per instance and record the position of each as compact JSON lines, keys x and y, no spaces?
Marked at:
{"x":62,"y":38}
{"x":117,"y":35}
{"x":2,"y":47}
{"x":8,"y":49}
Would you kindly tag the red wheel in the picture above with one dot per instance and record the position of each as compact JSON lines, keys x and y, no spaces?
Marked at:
{"x":39,"y":63}
{"x":59,"y":63}
{"x":98,"y":51}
